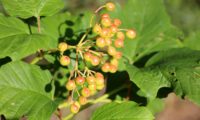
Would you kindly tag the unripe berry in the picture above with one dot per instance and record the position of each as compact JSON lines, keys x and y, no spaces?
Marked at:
{"x":106,"y":67}
{"x":87,"y":56}
{"x":110,"y":6}
{"x":74,"y":108}
{"x":120,"y":35}
{"x":70,"y":85}
{"x":90,"y":80}
{"x":118,"y":55}
{"x":113,"y":68}
{"x":117,"y":22}
{"x":106,"y":22}
{"x":97,"y":29}
{"x":105,"y":33}
{"x":95,"y":60}
{"x":85,"y":92}
{"x":82,"y":100}
{"x":100,"y":42}
{"x":111,"y":51}
{"x":62,"y":46}
{"x":92,"y":87}
{"x":100,"y":87}
{"x":114,"y":62}
{"x":105,"y":16}
{"x":64,"y":60}
{"x":113,"y":29}
{"x":108,"y":41}
{"x":80,"y":80}
{"x":131,"y":34}
{"x":99,"y":75}
{"x":119,"y":43}
{"x":100,"y":81}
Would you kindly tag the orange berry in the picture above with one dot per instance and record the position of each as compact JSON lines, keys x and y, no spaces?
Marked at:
{"x":106,"y":22}
{"x":85,"y":92}
{"x":118,"y":55}
{"x":120,"y":35}
{"x":95,"y":60}
{"x":106,"y":67}
{"x":113,"y":29}
{"x":97,"y":29}
{"x":108,"y":41}
{"x":87,"y":56}
{"x":90,"y":80}
{"x":117,"y":22}
{"x":100,"y":42}
{"x":110,"y":6}
{"x":64,"y":60}
{"x":99,"y":75}
{"x":119,"y":43}
{"x":80,"y":80}
{"x":131,"y":34}
{"x":113,"y":68}
{"x":92,"y":87}
{"x":114,"y":62}
{"x":82,"y":100}
{"x":62,"y":46}
{"x":74,"y":108}
{"x":70,"y":85}
{"x":111,"y":51}
{"x":105,"y":16}
{"x":105,"y":33}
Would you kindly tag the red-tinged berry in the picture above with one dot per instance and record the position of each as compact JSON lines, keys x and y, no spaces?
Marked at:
{"x":105,"y":16}
{"x":118,"y":55}
{"x":92,"y":87}
{"x":117,"y":22}
{"x":95,"y":60}
{"x":111,"y":51}
{"x":99,"y":81}
{"x":106,"y":67}
{"x":85,"y":92}
{"x":113,"y":68}
{"x":62,"y":46}
{"x":82,"y":100}
{"x":97,"y":29}
{"x":110,"y":6}
{"x":105,"y":33}
{"x":120,"y":35}
{"x":119,"y":43}
{"x":100,"y":87}
{"x":99,"y":75}
{"x":70,"y":85}
{"x":108,"y":41}
{"x":87,"y":56}
{"x":131,"y":34}
{"x":113,"y":29}
{"x":114,"y":62}
{"x":64,"y":60}
{"x":74,"y":108}
{"x":106,"y":22}
{"x":90,"y":80}
{"x":100,"y":42}
{"x":80,"y":80}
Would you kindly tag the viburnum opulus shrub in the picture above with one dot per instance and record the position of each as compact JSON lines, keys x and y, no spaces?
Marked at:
{"x":53,"y":60}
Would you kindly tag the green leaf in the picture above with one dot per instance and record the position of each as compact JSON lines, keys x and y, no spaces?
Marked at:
{"x":16,"y":42}
{"x":122,"y":111}
{"x":193,"y":41}
{"x":156,"y":105}
{"x":29,"y":8}
{"x":153,"y":27}
{"x":182,"y":69}
{"x":148,"y":80}
{"x":23,"y":93}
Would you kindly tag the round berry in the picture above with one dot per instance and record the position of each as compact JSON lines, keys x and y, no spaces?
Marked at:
{"x":106,"y":67}
{"x":118,"y":55}
{"x":99,"y":75}
{"x":100,"y":42}
{"x":87,"y":56}
{"x":82,"y":100}
{"x":131,"y":34}
{"x":70,"y":85}
{"x":113,"y":29}
{"x":111,"y":51}
{"x":62,"y":46}
{"x":113,"y":68}
{"x":90,"y":80}
{"x":74,"y":108}
{"x":120,"y":35}
{"x":105,"y":16}
{"x":64,"y":60}
{"x":110,"y":6}
{"x":117,"y":22}
{"x":97,"y":29}
{"x":119,"y":43}
{"x":80,"y":80}
{"x":114,"y":62}
{"x":92,"y":87}
{"x":108,"y":41}
{"x":85,"y":92}
{"x":106,"y":22}
{"x":105,"y":33}
{"x":95,"y":60}
{"x":100,"y":87}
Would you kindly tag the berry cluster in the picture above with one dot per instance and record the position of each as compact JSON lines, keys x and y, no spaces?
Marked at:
{"x":99,"y":51}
